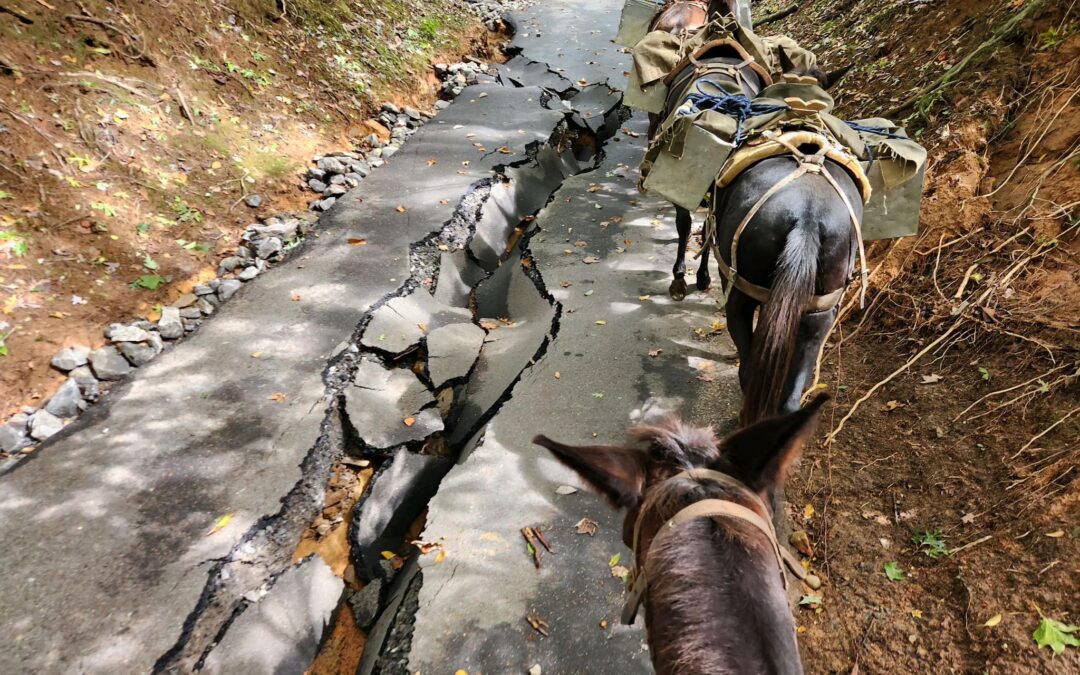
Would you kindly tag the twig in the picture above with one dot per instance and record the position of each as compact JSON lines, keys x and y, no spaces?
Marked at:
{"x":534,"y":547}
{"x":110,"y":80}
{"x":1000,"y":34}
{"x":17,"y":14}
{"x":970,"y":544}
{"x":776,"y":16}
{"x":1005,"y":391}
{"x":963,"y":283}
{"x":1045,"y":431}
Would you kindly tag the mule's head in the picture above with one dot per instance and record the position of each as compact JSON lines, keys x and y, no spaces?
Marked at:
{"x":759,"y":455}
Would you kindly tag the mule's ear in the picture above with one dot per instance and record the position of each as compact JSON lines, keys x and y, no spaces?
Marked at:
{"x":786,"y":64}
{"x":764,"y":452}
{"x":833,"y":77}
{"x":616,"y":472}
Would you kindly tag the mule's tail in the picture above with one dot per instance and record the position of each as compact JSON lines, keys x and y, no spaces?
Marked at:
{"x":773,"y":345}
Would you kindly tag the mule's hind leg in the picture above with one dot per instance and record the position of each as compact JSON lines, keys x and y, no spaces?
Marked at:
{"x":740,"y":310}
{"x":813,"y":329}
{"x":704,"y":281}
{"x":677,"y":290}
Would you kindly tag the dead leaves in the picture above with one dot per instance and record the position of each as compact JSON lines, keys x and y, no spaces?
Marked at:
{"x":534,"y":539}
{"x":220,"y":523}
{"x":655,"y":352}
{"x":590,"y":259}
{"x":586,"y":526}
{"x":432,"y":162}
{"x":538,"y":624}
{"x":409,"y":421}
{"x":278,"y":397}
{"x":401,"y":209}
{"x":931,"y":379}
{"x":357,"y":241}
{"x":565,"y":490}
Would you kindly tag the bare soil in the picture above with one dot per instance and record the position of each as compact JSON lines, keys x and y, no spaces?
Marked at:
{"x":132,"y":131}
{"x":992,"y":276}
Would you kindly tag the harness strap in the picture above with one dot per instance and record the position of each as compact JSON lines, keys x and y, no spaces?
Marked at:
{"x":706,"y":508}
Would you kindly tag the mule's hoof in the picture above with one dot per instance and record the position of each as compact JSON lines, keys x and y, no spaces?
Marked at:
{"x":704,"y":283}
{"x":677,"y":289}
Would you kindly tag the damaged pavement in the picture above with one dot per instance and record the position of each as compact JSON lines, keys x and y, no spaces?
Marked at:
{"x":500,"y":277}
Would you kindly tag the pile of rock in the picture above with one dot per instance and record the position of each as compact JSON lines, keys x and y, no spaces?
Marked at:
{"x":491,"y":12}
{"x":457,"y":76}
{"x":336,"y":173}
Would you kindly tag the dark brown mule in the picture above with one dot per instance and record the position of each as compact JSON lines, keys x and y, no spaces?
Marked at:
{"x":679,"y":16}
{"x":716,"y":601}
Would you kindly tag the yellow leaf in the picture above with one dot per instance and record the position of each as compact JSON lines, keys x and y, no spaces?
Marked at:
{"x":601,"y":322}
{"x":800,"y":630}
{"x":400,"y":209}
{"x":278,"y":397}
{"x":993,"y":621}
{"x":808,"y":511}
{"x":558,"y":375}
{"x":643,"y":298}
{"x":409,"y":421}
{"x":441,"y":556}
{"x":220,"y":523}
{"x":917,"y":613}
{"x":461,"y":672}
{"x":1056,"y":534}
{"x":389,"y":555}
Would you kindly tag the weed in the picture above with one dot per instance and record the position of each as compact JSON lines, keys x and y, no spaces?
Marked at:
{"x":931,"y":542}
{"x":13,"y":243}
{"x":429,"y":27}
{"x":149,"y":282}
{"x":1054,"y":36}
{"x":184,"y":213}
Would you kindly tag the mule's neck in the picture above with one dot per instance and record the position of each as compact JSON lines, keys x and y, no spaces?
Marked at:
{"x":723,"y":8}
{"x":716,"y":604}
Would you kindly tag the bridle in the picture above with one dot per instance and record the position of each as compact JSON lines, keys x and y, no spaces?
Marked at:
{"x":708,"y":508}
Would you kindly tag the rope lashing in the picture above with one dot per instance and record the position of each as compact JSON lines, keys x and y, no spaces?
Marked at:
{"x":736,"y":106}
{"x":863,"y":129}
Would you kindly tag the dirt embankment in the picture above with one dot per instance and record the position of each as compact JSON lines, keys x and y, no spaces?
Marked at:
{"x":959,"y":469}
{"x":136,"y":136}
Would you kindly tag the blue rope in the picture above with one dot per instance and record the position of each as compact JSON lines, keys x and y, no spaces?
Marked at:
{"x":873,"y":130}
{"x":737,"y":106}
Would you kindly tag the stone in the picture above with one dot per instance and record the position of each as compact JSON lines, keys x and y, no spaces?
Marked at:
{"x":109,"y":364}
{"x":254,"y":201}
{"x":452,"y":351}
{"x":190,"y":313}
{"x":353,"y":179}
{"x":12,"y":438}
{"x":71,"y":358}
{"x":229,"y":264}
{"x":281,"y":632}
{"x":336,"y":190}
{"x":205,"y":306}
{"x":413,"y":113}
{"x":325,"y":204}
{"x":121,"y":333}
{"x":282,"y":229}
{"x":390,"y":108}
{"x":169,"y":325}
{"x":228,"y":288}
{"x":331,"y":165}
{"x":186,"y":300}
{"x":89,"y":386}
{"x":155,"y":342}
{"x":403,"y":321}
{"x":203,"y":289}
{"x":338,"y":179}
{"x":44,"y":425}
{"x":399,"y":493}
{"x":138,"y":354}
{"x":268,"y":248}
{"x":316,"y":173}
{"x":389,"y":151}
{"x":367,"y":602}
{"x":316,"y":185}
{"x":361,"y":168}
{"x":389,"y":407}
{"x":248,"y":274}
{"x":65,"y":402}
{"x":442,"y":104}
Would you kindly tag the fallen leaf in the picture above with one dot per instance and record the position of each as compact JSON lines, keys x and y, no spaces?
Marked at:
{"x":601,"y":322}
{"x":432,"y":162}
{"x":558,"y":375}
{"x":593,"y":188}
{"x":536,"y":669}
{"x":614,"y":560}
{"x":409,"y":421}
{"x":278,"y":397}
{"x":655,"y":352}
{"x":993,"y":621}
{"x":619,"y":572}
{"x":444,"y":201}
{"x":968,"y":518}
{"x":931,"y":379}
{"x":1056,"y":534}
{"x":566,"y":284}
{"x":590,"y":259}
{"x":801,"y":541}
{"x":296,"y":297}
{"x":643,"y":298}
{"x":812,"y":601}
{"x":256,"y":355}
{"x":357,"y":241}
{"x":422,"y":327}
{"x":808,"y":512}
{"x":388,"y":555}
{"x":586,"y":526}
{"x":565,"y":490}
{"x":505,"y":150}
{"x":1055,"y":635}
{"x":603,"y":624}
{"x":440,"y":557}
{"x":220,"y":523}
{"x":893,"y":571}
{"x":401,"y":209}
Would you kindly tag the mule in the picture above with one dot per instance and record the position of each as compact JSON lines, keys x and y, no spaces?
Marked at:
{"x":714,"y":596}
{"x":680,"y":16}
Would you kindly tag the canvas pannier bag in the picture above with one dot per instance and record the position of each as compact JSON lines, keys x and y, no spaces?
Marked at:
{"x":896,"y":175}
{"x":635,"y":20}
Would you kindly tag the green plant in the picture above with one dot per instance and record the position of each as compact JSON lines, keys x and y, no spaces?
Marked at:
{"x":429,"y":27}
{"x":1055,"y":635}
{"x":184,"y":213}
{"x":1054,"y":36}
{"x":149,"y":282}
{"x":931,"y":542}
{"x":107,"y":209}
{"x":14,"y":243}
{"x":4,"y":335}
